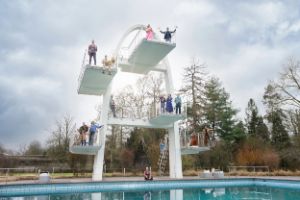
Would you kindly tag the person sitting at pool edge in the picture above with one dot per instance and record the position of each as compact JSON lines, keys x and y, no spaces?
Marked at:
{"x":147,"y":175}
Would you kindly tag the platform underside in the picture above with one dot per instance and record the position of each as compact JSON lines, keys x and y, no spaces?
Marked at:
{"x":85,"y":150}
{"x":95,"y":80}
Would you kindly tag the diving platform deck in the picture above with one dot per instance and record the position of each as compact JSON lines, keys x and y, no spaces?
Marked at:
{"x":94,"y":80}
{"x":168,"y":119}
{"x":146,"y":56}
{"x":193,"y":150}
{"x":135,"y":123}
{"x":85,"y":150}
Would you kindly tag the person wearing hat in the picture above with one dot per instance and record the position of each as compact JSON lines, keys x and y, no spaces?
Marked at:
{"x":93,"y":130}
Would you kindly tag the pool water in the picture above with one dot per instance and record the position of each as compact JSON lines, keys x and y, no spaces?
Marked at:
{"x":229,"y":193}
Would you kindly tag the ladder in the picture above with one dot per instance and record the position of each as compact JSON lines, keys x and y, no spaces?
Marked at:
{"x":163,"y":158}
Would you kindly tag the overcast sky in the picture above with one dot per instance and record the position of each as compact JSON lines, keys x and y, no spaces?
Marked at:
{"x":244,"y":43}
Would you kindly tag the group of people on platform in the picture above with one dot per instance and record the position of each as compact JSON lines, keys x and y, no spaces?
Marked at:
{"x":108,"y":63}
{"x":166,"y":104}
{"x":167,"y":34}
{"x":85,"y":131}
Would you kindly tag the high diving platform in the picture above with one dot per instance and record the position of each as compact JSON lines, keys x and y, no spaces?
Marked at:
{"x":84,"y":150}
{"x":193,"y":150}
{"x":94,"y":80}
{"x":146,"y":55}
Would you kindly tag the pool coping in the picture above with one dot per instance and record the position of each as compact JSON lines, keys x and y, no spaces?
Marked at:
{"x":138,"y":185}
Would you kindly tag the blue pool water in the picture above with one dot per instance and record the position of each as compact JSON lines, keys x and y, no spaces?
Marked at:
{"x":230,"y":189}
{"x":231,"y":193}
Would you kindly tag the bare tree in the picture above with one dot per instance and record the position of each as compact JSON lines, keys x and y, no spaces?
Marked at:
{"x":194,"y":78}
{"x":289,"y":83}
{"x":58,"y":144}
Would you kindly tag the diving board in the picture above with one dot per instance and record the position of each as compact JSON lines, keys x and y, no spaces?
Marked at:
{"x":146,"y":55}
{"x":86,"y":150}
{"x":193,"y":150}
{"x":94,"y":80}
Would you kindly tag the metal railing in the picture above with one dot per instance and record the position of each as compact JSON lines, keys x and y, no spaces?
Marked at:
{"x":85,"y":64}
{"x":199,"y":139}
{"x":75,"y":139}
{"x":145,"y":112}
{"x":249,"y":168}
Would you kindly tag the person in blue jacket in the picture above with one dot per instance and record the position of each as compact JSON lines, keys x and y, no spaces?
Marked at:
{"x":93,"y":130}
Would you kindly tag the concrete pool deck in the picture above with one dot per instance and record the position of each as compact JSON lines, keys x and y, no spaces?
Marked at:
{"x":120,"y":179}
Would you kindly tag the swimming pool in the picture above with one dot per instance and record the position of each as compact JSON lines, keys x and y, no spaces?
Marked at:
{"x":248,"y":188}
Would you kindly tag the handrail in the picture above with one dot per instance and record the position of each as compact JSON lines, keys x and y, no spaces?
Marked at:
{"x":75,"y":139}
{"x":196,"y":139}
{"x":145,"y":112}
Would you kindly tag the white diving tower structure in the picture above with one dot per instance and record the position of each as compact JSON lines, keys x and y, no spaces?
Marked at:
{"x":140,"y":56}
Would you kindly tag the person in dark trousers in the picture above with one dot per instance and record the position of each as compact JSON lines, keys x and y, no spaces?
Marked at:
{"x":168,"y":34}
{"x":92,"y":52}
{"x":93,"y":130}
{"x":82,"y":131}
{"x":162,"y":100}
{"x":178,"y":104}
{"x":112,"y":106}
{"x":147,"y":174}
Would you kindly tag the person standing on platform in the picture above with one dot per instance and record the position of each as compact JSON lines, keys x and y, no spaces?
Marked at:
{"x":93,"y":130}
{"x":169,"y":106}
{"x":162,"y":100}
{"x":92,"y":52}
{"x":112,"y":105}
{"x":178,"y":104}
{"x":82,"y":131}
{"x":149,"y":32}
{"x":168,"y":34}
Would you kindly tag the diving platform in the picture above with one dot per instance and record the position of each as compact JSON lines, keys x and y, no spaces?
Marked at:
{"x":193,"y":150}
{"x":94,"y":80}
{"x":167,"y":119}
{"x":146,"y":55}
{"x":85,"y":150}
{"x":141,"y":123}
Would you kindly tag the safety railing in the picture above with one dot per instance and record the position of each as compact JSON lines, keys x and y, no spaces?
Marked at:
{"x":110,"y":65}
{"x":200,"y":139}
{"x":248,"y":168}
{"x":147,"y":112}
{"x":78,"y":139}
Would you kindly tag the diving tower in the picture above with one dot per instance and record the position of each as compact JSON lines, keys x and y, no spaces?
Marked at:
{"x":140,"y":56}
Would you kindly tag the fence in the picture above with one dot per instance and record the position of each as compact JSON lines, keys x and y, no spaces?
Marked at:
{"x":249,"y":168}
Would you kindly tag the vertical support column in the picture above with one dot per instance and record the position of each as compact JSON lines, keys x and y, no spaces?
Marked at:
{"x":99,"y":157}
{"x":175,"y":162}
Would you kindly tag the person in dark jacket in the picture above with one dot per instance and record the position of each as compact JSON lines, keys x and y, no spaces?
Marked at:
{"x":168,"y":34}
